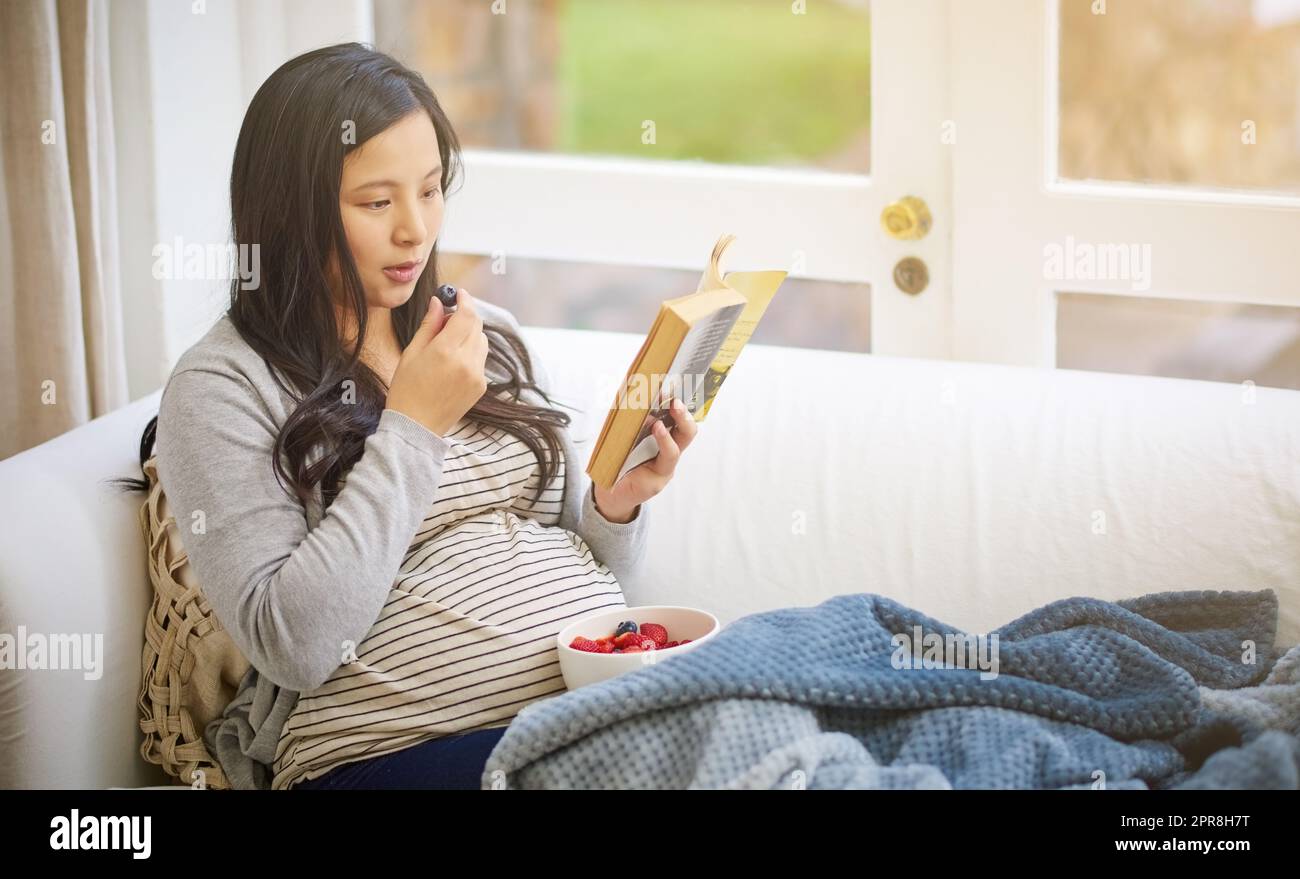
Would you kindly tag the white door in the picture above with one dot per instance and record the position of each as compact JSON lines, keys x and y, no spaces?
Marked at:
{"x":814,"y":223}
{"x":1024,"y":234}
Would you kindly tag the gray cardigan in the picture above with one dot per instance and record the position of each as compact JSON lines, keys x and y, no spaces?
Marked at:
{"x":289,"y":584}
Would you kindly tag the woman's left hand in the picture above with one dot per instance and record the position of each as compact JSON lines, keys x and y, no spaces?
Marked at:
{"x":619,"y":504}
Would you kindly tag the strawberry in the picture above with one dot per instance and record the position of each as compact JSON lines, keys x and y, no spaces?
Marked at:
{"x":648,"y":644}
{"x":607,"y":647}
{"x":627,"y":639}
{"x":585,"y":645}
{"x":670,"y":644}
{"x":632,"y":650}
{"x":655,"y":631}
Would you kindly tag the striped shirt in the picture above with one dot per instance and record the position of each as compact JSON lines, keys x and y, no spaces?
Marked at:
{"x":466,"y":638}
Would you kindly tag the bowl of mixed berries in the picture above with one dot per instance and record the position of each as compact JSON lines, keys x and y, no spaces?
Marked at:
{"x":611,"y":642}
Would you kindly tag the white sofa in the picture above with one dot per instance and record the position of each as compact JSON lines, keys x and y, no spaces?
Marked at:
{"x":972,"y":492}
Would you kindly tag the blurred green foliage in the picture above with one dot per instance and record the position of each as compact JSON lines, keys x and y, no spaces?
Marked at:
{"x":733,"y":81}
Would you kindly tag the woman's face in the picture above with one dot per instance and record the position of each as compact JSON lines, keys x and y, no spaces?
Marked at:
{"x":391,"y":202}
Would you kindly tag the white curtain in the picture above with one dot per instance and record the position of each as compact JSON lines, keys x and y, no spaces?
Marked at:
{"x":61,"y":319}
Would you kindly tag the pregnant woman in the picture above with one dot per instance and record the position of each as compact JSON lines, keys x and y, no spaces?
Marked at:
{"x":378,"y":501}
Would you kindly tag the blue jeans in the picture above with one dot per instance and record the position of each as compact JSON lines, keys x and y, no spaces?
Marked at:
{"x":452,"y":762}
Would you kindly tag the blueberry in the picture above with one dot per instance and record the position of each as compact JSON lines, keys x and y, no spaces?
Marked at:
{"x":625,"y":626}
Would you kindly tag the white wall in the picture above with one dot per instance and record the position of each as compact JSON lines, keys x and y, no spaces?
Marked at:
{"x":183,"y":74}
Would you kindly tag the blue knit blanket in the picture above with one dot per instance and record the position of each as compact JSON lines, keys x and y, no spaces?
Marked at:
{"x":863,"y":692}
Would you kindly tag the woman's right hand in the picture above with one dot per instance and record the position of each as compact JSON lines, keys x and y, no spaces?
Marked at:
{"x":440,"y":375}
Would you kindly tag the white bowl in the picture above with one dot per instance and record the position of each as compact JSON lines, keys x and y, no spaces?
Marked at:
{"x":581,"y":668}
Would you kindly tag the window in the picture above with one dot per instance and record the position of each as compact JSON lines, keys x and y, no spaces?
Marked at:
{"x":608,"y":143}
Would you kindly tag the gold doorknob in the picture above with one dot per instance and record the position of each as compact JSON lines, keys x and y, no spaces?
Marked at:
{"x":906,"y":219}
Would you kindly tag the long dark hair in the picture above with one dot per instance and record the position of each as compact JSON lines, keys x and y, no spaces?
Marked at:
{"x":284,"y":195}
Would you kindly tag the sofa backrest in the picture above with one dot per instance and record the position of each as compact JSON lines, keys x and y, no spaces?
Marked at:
{"x":973,"y":492}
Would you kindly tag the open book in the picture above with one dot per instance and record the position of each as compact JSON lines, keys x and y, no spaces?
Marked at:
{"x":687,"y":355}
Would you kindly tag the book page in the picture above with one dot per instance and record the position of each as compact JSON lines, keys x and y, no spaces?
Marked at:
{"x":684,"y":381}
{"x":712,"y":277}
{"x":758,"y":288}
